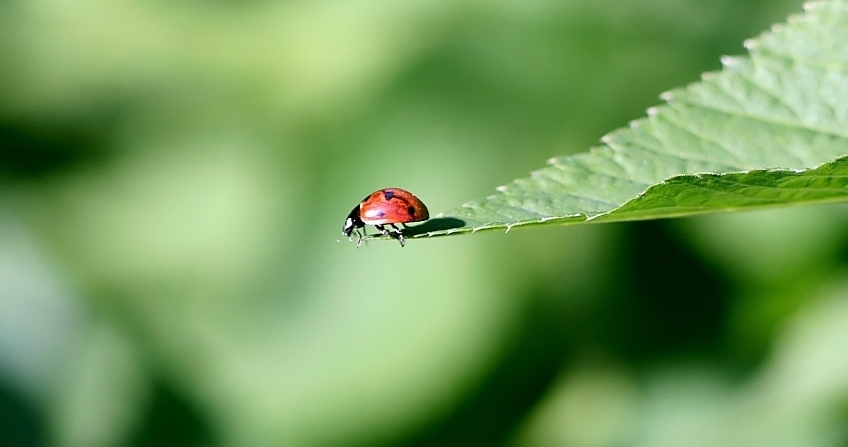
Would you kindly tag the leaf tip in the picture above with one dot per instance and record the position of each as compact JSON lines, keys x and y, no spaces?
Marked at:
{"x":794,"y":18}
{"x":652,"y":111}
{"x":730,"y":61}
{"x":667,"y":95}
{"x":749,"y":44}
{"x":811,"y":5}
{"x":778,"y":27}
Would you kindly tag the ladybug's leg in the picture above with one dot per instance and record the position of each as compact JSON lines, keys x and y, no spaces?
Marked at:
{"x":398,"y":233}
{"x":359,"y":237}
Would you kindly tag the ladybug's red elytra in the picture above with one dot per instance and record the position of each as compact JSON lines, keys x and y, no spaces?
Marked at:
{"x":388,"y":206}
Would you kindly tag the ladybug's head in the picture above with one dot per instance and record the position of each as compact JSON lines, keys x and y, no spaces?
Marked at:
{"x":352,"y":222}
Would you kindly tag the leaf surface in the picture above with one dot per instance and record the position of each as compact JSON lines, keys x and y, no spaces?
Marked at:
{"x":770,"y":129}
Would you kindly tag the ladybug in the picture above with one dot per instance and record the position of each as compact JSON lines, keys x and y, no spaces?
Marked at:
{"x":387,"y":206}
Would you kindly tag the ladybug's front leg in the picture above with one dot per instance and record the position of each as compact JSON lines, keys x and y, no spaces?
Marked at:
{"x":360,"y":236}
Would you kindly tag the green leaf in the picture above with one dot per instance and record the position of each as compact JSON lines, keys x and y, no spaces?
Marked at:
{"x":768,"y":130}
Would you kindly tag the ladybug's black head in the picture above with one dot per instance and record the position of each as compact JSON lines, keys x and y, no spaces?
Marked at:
{"x":352,"y":222}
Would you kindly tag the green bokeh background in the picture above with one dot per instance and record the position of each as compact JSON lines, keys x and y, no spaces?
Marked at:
{"x":173,"y":180}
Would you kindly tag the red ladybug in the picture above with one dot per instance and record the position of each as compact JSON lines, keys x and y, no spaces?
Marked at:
{"x":387,"y":206}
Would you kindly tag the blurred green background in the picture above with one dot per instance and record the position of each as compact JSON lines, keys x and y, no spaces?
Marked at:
{"x":174,"y":177}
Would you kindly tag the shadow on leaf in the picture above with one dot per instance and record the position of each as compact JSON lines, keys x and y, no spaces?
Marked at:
{"x":436,"y":224}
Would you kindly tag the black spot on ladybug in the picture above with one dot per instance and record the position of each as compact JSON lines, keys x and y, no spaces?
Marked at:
{"x":380,"y":214}
{"x":411,"y":210}
{"x":388,"y":194}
